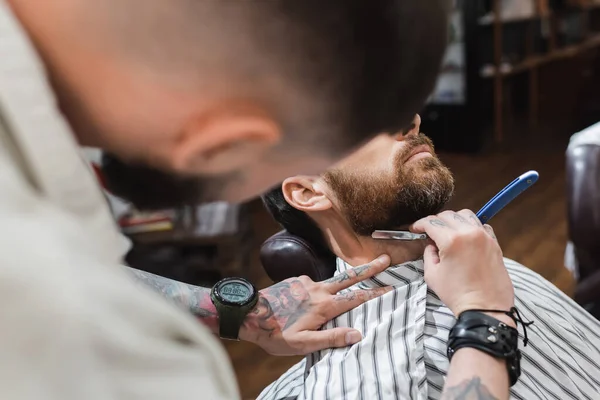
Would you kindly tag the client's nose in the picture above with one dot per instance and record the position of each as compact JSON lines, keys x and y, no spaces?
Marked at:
{"x":412,"y":130}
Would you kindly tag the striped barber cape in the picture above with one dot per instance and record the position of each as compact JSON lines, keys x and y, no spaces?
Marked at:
{"x":403,"y":351}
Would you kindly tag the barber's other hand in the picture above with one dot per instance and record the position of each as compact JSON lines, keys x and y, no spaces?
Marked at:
{"x":288,"y":315}
{"x":464,"y":267}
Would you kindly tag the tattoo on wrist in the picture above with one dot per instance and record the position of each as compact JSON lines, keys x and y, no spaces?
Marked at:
{"x":195,"y":299}
{"x":279,"y":307}
{"x":471,"y":389}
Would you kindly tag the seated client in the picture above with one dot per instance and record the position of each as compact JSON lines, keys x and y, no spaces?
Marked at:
{"x":389,"y":184}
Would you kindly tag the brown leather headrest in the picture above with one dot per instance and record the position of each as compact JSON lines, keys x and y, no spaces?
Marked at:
{"x":583,"y":190}
{"x":284,"y":255}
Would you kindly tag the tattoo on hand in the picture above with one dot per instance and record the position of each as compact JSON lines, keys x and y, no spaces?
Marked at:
{"x":471,"y":389}
{"x":280,"y":306}
{"x":460,"y":219}
{"x":360,"y":271}
{"x":338,"y":278}
{"x":362,"y":295}
{"x":350,"y":296}
{"x":437,"y":222}
{"x":349,"y":274}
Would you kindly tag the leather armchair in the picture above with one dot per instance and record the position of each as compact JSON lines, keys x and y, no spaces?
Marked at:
{"x":284,"y":255}
{"x":583,"y":202}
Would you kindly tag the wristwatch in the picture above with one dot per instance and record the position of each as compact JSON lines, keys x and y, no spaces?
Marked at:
{"x":483,"y":332}
{"x":233,"y":298}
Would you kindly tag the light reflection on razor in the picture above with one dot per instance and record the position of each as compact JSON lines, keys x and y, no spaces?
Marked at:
{"x":398,"y":235}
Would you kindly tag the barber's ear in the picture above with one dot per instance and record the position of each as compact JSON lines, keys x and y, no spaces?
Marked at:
{"x":302,"y":193}
{"x":225,"y":139}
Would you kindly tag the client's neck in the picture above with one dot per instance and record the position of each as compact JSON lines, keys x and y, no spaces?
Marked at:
{"x":357,"y":250}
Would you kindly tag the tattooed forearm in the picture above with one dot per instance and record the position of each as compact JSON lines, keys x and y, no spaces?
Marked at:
{"x":195,"y":299}
{"x":471,"y":389}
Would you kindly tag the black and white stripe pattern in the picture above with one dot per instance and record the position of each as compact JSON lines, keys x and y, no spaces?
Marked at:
{"x":403,"y":351}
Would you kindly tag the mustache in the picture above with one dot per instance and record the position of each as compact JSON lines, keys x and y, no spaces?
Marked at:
{"x":414,"y":142}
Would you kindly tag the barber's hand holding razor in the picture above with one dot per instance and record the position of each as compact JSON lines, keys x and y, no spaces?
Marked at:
{"x":289,"y":314}
{"x":463,"y":263}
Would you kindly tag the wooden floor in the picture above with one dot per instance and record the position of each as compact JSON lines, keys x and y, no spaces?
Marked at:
{"x":532,"y":230}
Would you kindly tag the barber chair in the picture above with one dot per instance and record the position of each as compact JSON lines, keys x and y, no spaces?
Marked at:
{"x":583,"y":202}
{"x":284,"y":255}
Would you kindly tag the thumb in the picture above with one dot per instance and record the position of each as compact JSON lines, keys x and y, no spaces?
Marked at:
{"x":330,"y":338}
{"x":431,"y":256}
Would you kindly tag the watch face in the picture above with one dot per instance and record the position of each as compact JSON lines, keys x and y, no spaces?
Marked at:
{"x":235,"y":291}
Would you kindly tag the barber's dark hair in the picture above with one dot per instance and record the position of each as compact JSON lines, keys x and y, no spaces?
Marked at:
{"x":372,"y":62}
{"x":296,"y":222}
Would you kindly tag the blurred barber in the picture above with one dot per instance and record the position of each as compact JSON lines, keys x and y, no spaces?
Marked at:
{"x":196,"y":100}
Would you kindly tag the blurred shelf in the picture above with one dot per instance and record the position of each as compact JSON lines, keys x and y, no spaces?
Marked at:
{"x":536,"y":61}
{"x":489,"y":19}
{"x":177,"y":236}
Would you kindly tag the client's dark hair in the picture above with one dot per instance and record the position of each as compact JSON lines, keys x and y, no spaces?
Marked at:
{"x":296,"y":222}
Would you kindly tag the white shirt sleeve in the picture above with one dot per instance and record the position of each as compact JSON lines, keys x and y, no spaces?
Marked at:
{"x":73,"y":328}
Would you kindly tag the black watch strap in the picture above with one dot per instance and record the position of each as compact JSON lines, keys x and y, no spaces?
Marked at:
{"x":230,"y":321}
{"x":480,"y":331}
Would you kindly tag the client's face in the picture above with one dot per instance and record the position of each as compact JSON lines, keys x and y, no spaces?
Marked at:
{"x":391,"y":182}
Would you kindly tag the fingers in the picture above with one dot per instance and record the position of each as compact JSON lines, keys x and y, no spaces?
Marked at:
{"x":490,"y":231}
{"x":435,"y":228}
{"x":431,"y":255}
{"x":353,"y":276}
{"x":354,"y":298}
{"x":442,"y":227}
{"x":330,"y":338}
{"x":470,"y":217}
{"x":339,"y":337}
{"x":460,"y":220}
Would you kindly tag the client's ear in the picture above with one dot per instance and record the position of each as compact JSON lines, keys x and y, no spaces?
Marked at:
{"x":302,"y":193}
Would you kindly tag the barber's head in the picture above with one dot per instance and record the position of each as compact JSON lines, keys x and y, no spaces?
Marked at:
{"x":240,"y":93}
{"x":391,"y":182}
